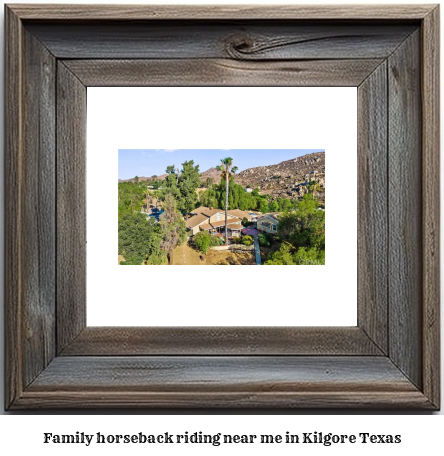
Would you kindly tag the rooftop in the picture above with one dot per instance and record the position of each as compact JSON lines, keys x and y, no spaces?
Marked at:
{"x":231,"y":223}
{"x":240,"y":214}
{"x":273,"y":215}
{"x":208,"y":211}
{"x":196,"y":220}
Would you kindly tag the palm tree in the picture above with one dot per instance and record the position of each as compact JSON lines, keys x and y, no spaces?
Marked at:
{"x":226,"y":173}
{"x":313,"y":187}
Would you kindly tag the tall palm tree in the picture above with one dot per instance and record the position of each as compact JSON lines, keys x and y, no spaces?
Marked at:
{"x":226,"y":174}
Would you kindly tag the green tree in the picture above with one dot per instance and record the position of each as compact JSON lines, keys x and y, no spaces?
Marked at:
{"x":262,"y":205}
{"x":148,"y":197}
{"x":265,"y":239}
{"x":307,"y":205}
{"x":131,"y":197}
{"x":202,"y":241}
{"x":304,"y":227}
{"x":310,"y":256}
{"x":210,"y":197}
{"x":169,"y":185}
{"x":171,"y":178}
{"x":282,"y":256}
{"x":285,"y":204}
{"x":274,"y":206}
{"x":289,"y":255}
{"x":189,"y":181}
{"x":172,"y":227}
{"x":226,"y":173}
{"x":139,"y":240}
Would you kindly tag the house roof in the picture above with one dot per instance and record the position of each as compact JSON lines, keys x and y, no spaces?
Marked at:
{"x":272,"y":215}
{"x":240,"y":214}
{"x":202,"y":214}
{"x":206,"y":211}
{"x":196,"y":220}
{"x":231,"y":223}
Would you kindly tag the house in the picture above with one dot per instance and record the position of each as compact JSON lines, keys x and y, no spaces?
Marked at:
{"x":268,"y":223}
{"x":249,"y":190}
{"x":213,"y":220}
{"x":254,"y":216}
{"x":250,"y":216}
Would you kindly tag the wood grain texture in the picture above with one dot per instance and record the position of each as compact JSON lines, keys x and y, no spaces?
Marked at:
{"x":404,"y":208}
{"x":246,"y":41}
{"x":223,"y":12}
{"x":372,"y":207}
{"x":225,"y":400}
{"x":236,"y":40}
{"x":221,"y":72}
{"x":431,"y":206}
{"x":38,"y":210}
{"x":71,"y":206}
{"x":13,"y":209}
{"x":126,"y":341}
{"x":232,"y":382}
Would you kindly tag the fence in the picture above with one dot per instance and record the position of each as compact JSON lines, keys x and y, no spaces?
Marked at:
{"x":238,"y":248}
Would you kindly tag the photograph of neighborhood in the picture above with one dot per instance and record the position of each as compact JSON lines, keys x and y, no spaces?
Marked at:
{"x":221,"y":207}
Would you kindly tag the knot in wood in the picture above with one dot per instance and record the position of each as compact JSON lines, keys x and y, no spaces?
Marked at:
{"x":237,"y":46}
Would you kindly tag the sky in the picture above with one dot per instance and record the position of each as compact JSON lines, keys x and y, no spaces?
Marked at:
{"x":149,"y":162}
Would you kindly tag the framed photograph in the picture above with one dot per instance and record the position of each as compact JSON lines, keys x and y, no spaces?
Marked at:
{"x":244,"y":98}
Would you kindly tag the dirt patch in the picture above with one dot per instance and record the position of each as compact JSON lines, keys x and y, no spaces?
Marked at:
{"x":121,"y":259}
{"x":185,"y":254}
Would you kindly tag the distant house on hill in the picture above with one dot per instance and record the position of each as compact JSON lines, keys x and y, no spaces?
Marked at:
{"x":213,"y":220}
{"x":268,"y":223}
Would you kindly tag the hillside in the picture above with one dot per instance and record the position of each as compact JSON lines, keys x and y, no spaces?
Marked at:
{"x":211,"y":173}
{"x":287,"y":179}
{"x":144,"y":178}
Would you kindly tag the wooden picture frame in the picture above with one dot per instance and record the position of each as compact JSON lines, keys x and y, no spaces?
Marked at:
{"x":390,"y":360}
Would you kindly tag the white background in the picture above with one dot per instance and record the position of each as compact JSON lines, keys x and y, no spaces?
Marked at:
{"x":222,"y":118}
{"x":24,"y":433}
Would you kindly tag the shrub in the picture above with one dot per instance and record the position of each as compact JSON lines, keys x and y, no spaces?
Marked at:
{"x":237,"y":240}
{"x":215,"y":241}
{"x":202,"y":241}
{"x":132,"y":261}
{"x":247,"y":240}
{"x":265,"y":239}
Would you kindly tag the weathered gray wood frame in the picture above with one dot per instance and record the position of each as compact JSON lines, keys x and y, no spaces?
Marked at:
{"x":390,"y":360}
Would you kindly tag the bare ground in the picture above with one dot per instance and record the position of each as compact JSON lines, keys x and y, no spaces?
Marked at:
{"x":185,"y":254}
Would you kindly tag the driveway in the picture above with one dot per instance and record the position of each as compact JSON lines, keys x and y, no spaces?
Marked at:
{"x":257,"y":250}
